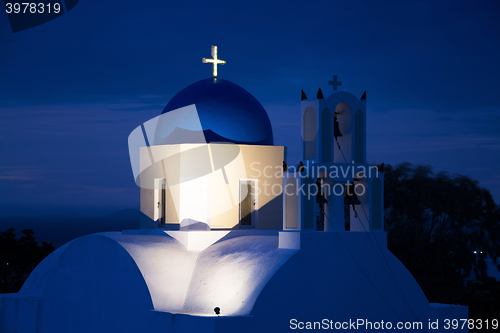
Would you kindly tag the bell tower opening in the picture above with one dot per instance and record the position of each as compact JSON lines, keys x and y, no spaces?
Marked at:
{"x":343,"y":152}
{"x":310,"y":130}
{"x":326,"y":136}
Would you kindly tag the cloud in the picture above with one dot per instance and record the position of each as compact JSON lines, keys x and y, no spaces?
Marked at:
{"x":20,"y":173}
{"x":157,"y":107}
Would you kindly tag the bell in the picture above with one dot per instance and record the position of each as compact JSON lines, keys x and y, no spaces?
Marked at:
{"x":336,"y":128}
{"x":320,"y":198}
{"x":350,"y":196}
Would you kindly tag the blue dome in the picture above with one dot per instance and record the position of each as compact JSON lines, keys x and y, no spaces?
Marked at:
{"x":227,"y":112}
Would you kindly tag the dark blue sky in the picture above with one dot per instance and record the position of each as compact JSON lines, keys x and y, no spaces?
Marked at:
{"x":72,"y":90}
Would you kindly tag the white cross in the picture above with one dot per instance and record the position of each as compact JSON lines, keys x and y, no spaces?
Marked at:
{"x":214,"y":61}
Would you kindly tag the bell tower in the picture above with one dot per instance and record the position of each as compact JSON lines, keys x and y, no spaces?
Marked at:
{"x":334,"y":129}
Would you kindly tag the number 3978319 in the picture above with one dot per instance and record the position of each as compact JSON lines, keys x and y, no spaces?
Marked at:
{"x":32,"y":8}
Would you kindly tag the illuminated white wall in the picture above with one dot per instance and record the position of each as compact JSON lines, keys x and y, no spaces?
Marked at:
{"x":194,"y":202}
{"x":147,"y":281}
{"x":203,"y":182}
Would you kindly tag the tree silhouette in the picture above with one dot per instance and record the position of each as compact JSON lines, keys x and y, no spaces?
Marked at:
{"x":434,"y":224}
{"x":18,"y":257}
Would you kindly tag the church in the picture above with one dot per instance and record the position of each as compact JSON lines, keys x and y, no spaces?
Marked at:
{"x":234,"y":237}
